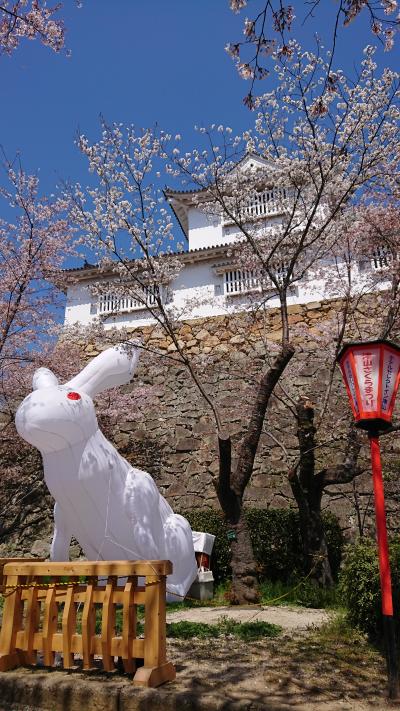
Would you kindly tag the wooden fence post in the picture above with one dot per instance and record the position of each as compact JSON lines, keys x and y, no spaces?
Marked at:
{"x":12,"y":618}
{"x":68,"y":627}
{"x":88,"y":626}
{"x":156,"y":669}
{"x":129,"y":625}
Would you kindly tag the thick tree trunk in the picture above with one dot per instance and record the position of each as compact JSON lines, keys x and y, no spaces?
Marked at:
{"x":308,"y":487}
{"x":315,"y":549}
{"x":244,"y":570}
{"x":231,"y":486}
{"x":307,"y":491}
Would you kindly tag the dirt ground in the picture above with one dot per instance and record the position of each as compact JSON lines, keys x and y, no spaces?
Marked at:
{"x":304,"y":669}
{"x":297,"y":671}
{"x":290,"y":618}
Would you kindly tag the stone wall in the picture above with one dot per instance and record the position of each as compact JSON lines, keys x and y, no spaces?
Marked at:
{"x":175,"y":440}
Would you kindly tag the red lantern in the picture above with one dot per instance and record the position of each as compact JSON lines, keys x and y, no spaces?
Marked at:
{"x":371,"y":372}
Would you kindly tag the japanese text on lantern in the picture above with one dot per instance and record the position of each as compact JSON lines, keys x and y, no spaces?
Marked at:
{"x":388,"y":383}
{"x":367,"y":369}
{"x":351,"y":385}
{"x":391,"y":363}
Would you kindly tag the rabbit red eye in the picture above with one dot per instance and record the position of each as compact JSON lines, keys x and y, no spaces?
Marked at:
{"x":74,"y":396}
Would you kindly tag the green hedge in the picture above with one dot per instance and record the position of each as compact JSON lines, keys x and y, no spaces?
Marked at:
{"x":275,"y":535}
{"x":359,"y":585}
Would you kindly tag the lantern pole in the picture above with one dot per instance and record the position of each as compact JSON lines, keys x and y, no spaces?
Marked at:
{"x":371,"y":374}
{"x":384,"y":567}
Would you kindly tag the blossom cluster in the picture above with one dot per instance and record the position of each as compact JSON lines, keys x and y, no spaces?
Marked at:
{"x":35,"y":242}
{"x":30,"y":19}
{"x":269,"y":31}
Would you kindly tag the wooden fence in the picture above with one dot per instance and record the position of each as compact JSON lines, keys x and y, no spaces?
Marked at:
{"x":56,"y":607}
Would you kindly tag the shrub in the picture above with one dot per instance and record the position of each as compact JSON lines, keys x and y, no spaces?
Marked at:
{"x":359,"y":585}
{"x":275,"y":536}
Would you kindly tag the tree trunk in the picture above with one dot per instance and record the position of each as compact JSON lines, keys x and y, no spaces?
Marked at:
{"x":244,"y":568}
{"x":315,"y":549}
{"x":230,"y":486}
{"x":307,"y":491}
{"x":308,"y":487}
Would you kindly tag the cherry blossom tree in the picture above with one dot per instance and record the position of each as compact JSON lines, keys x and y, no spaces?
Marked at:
{"x":319,"y":156}
{"x":35,"y":238}
{"x":273,"y":24}
{"x":35,"y":241}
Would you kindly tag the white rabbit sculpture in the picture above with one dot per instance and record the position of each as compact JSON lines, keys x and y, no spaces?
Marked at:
{"x":114,"y":510}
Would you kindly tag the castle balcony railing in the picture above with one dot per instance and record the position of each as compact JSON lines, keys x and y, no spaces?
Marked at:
{"x":261,"y":204}
{"x":383,"y":258}
{"x":245,"y":281}
{"x":113,"y":303}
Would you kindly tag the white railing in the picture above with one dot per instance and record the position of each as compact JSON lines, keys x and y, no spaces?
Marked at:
{"x":382,"y":258}
{"x":244,"y":281}
{"x":112,"y":303}
{"x":262,"y":204}
{"x":241,"y":281}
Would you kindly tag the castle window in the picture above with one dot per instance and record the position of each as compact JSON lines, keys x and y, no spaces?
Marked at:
{"x":382,"y":258}
{"x":245,"y":281}
{"x":265,"y":203}
{"x":113,"y":303}
{"x":241,"y":281}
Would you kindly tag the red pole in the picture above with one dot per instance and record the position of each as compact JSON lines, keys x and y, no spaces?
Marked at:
{"x":380,"y":514}
{"x":384,"y":568}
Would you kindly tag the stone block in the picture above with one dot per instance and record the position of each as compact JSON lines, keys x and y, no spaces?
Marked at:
{"x":41,"y":548}
{"x":212,"y":341}
{"x":128,"y":426}
{"x":182,"y":431}
{"x":186,"y":444}
{"x":237,"y":340}
{"x":202,"y":335}
{"x":203,"y":427}
{"x":222,"y":348}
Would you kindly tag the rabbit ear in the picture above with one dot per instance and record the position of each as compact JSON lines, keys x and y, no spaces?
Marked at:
{"x":43,"y":378}
{"x":113,"y":367}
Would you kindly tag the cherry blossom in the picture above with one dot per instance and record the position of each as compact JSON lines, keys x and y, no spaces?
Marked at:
{"x":35,"y":241}
{"x":31,"y":19}
{"x":273,"y":25}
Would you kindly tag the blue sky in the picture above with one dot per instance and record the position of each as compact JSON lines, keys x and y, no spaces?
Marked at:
{"x":141,"y":62}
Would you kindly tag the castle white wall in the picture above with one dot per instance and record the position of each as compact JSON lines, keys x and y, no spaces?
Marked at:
{"x":198,"y":292}
{"x":79,"y":304}
{"x":204,"y":230}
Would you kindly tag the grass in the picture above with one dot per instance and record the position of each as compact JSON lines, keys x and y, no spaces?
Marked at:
{"x":246,"y":631}
{"x":275,"y":593}
{"x":337,"y":639}
{"x":305,"y":594}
